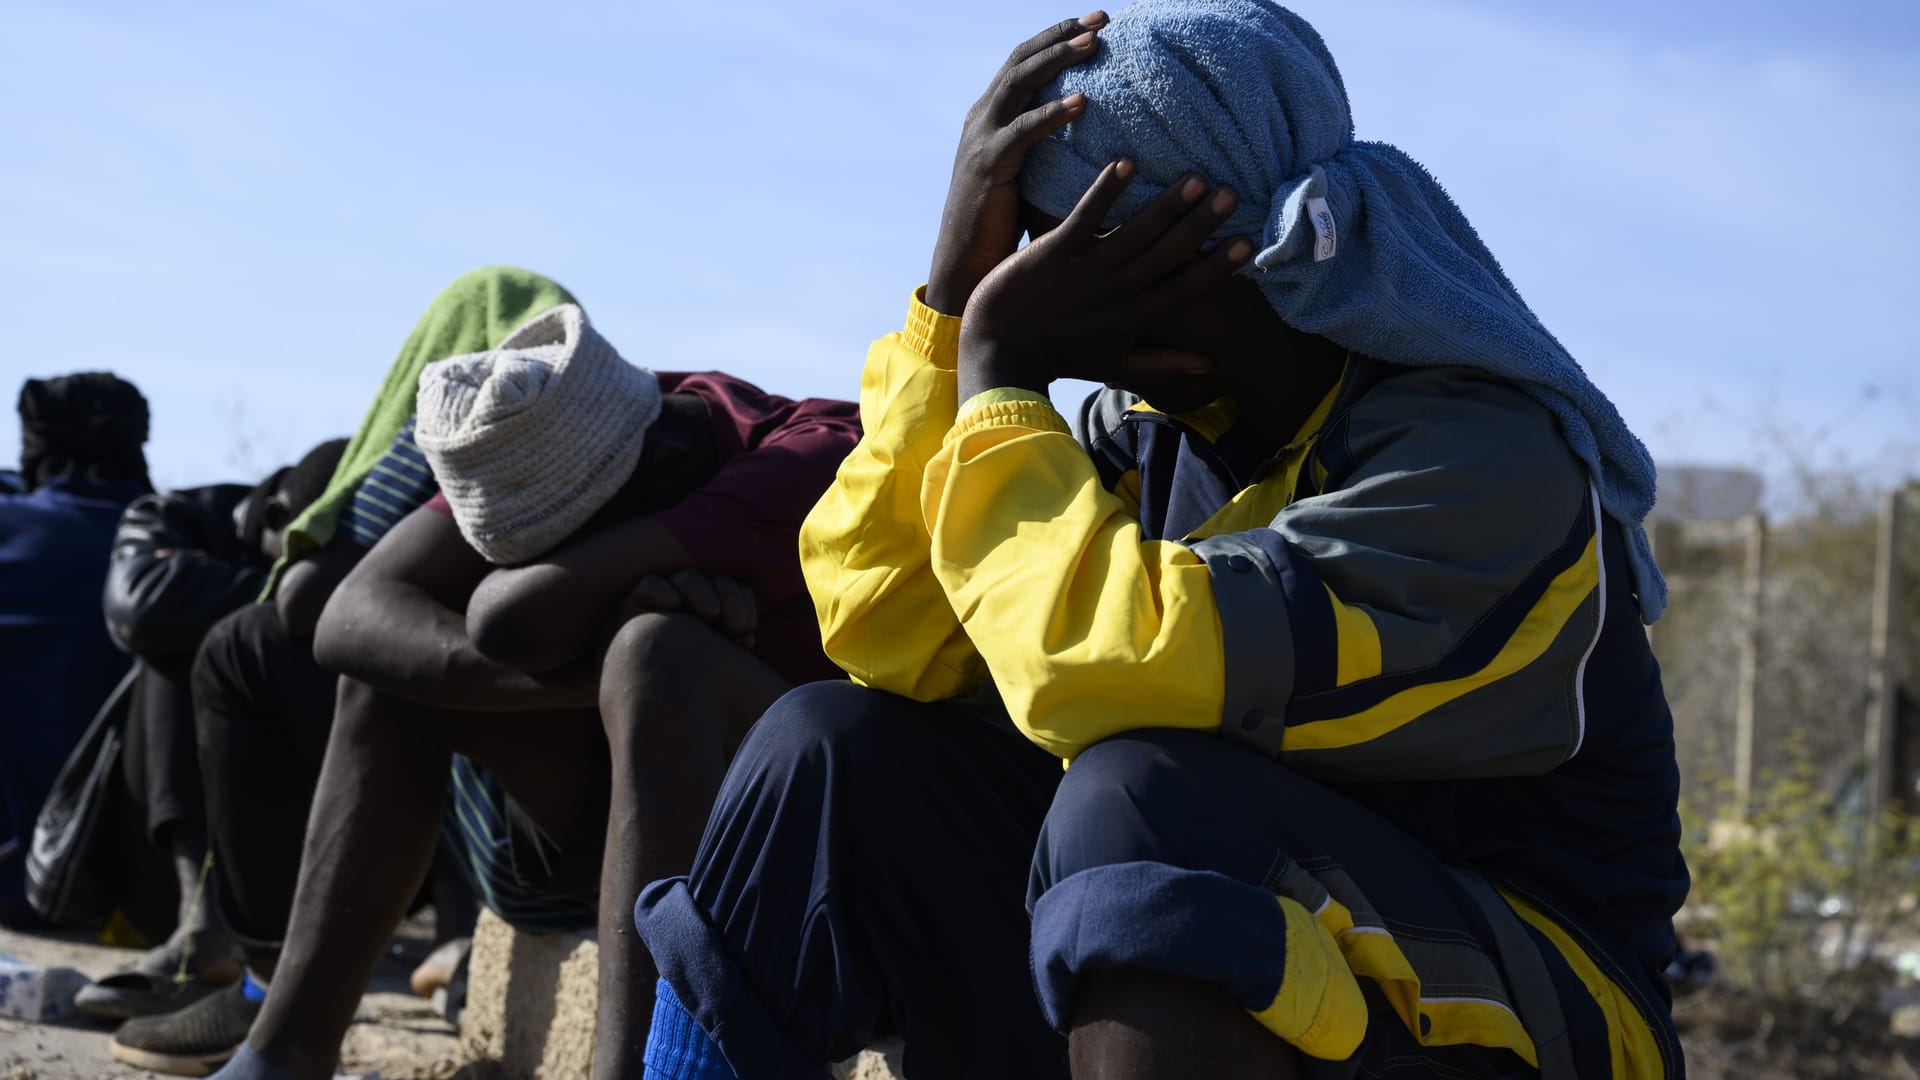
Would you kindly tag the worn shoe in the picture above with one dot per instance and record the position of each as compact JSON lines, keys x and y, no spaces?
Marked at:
{"x":194,"y":1041}
{"x":154,"y":985}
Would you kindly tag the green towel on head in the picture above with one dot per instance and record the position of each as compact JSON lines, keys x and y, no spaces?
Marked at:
{"x":472,"y":315}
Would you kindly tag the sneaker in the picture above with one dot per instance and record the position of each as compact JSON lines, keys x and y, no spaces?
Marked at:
{"x":192,"y":1042}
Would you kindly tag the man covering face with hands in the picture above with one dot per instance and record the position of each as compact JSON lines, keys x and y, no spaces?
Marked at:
{"x":1331,"y":601}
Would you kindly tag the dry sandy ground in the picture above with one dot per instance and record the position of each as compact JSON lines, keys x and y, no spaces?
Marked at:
{"x":1727,"y":1035}
{"x":395,"y":1032}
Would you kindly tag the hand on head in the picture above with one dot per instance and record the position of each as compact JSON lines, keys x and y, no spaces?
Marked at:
{"x":980,"y":226}
{"x":1078,"y":303}
{"x":1074,"y":303}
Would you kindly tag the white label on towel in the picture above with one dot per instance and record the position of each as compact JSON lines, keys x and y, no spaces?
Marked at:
{"x":1325,"y":240}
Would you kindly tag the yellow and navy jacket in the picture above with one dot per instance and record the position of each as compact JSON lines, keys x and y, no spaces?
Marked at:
{"x":1417,"y":601}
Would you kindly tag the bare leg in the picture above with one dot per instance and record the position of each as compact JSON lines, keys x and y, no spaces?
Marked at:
{"x":454,"y":912}
{"x":370,"y":841}
{"x":370,"y":837}
{"x":676,"y":698}
{"x":1132,"y":1024}
{"x":204,"y":934}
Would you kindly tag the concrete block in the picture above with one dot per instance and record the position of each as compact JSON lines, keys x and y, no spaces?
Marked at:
{"x":530,"y":1008}
{"x":530,"y":1001}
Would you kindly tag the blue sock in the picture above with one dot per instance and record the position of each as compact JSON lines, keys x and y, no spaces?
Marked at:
{"x":677,"y":1048}
{"x":247,"y":1065}
{"x":253,"y":989}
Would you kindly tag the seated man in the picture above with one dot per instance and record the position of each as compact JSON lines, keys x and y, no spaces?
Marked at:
{"x":1334,"y":609}
{"x":81,"y":464}
{"x":182,"y":560}
{"x":263,"y":708}
{"x":578,"y":632}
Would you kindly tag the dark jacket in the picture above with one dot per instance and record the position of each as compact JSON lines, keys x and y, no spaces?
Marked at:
{"x":56,"y":662}
{"x":162,"y":606}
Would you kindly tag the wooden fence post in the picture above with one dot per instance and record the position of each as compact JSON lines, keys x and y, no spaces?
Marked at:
{"x":1883,"y":680}
{"x":1663,"y":534}
{"x":1748,"y":692}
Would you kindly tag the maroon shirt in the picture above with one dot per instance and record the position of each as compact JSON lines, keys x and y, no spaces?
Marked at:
{"x":777,"y":456}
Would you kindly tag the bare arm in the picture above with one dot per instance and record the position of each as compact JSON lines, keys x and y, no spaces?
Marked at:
{"x":548,"y":614}
{"x":306,"y":585}
{"x":397,"y":623}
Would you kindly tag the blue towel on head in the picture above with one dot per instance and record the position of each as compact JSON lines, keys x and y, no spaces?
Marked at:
{"x":1359,"y":244}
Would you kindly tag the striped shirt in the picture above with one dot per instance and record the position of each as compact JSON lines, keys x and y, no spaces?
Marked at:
{"x":399,"y":483}
{"x":505,"y":872}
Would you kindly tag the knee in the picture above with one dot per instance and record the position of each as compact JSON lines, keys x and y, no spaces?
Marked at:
{"x":832,"y":732}
{"x":1132,"y":798}
{"x":658,"y":655}
{"x":836,"y":718}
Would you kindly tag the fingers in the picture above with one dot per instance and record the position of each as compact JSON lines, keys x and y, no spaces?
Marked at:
{"x":1017,"y":85}
{"x":1083,"y":223}
{"x":654,"y":593}
{"x":1035,"y":63}
{"x":685,"y":590}
{"x":1054,"y":35}
{"x":723,"y":603}
{"x":739,"y":615}
{"x":1154,"y":363}
{"x":1180,"y":244}
{"x":1036,"y":124}
{"x":1139,"y":232}
{"x":1199,"y":275}
{"x":698,"y":595}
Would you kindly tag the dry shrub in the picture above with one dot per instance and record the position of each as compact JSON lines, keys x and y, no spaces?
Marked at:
{"x":1800,"y":900}
{"x":1799,"y":897}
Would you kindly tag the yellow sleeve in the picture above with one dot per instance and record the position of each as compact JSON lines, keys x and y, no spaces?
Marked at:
{"x":863,"y":548}
{"x":1088,"y":629}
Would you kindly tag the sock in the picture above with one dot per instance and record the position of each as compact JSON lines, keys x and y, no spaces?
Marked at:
{"x":254,"y":988}
{"x":247,"y":1065}
{"x":677,"y":1048}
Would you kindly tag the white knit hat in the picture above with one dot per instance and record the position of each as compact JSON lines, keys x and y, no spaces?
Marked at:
{"x":529,"y":439}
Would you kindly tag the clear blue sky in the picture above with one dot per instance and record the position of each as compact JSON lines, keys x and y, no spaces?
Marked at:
{"x":243,"y":207}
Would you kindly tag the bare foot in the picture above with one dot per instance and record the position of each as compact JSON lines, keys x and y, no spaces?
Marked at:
{"x":437,"y":969}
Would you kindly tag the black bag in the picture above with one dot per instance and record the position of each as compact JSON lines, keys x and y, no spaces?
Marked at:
{"x":74,"y":871}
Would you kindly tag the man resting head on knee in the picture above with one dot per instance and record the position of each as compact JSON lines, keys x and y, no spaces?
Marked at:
{"x":557,"y":653}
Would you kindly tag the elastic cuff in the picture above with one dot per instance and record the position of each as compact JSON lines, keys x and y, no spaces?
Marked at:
{"x":1319,"y":1009}
{"x":997,"y":395}
{"x":677,"y":1049}
{"x":931,"y":334}
{"x":1029,"y":410}
{"x":692,"y":958}
{"x":1150,"y":915}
